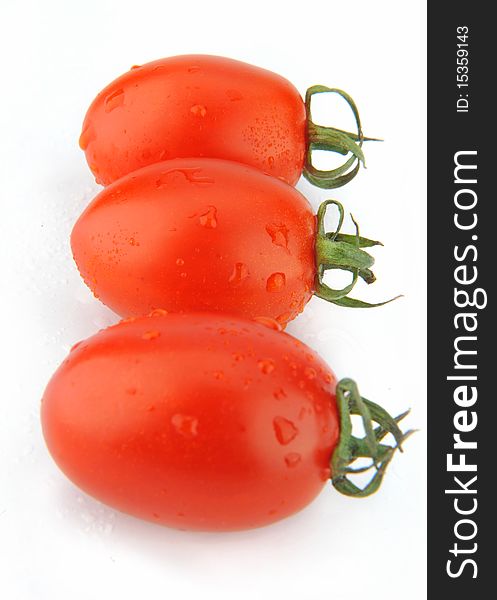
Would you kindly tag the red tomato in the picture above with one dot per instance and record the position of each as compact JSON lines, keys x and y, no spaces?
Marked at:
{"x":194,"y":421}
{"x":206,"y":234}
{"x":194,"y":106}
{"x":197,"y":422}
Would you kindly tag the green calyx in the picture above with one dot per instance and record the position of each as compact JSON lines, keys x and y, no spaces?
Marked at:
{"x":350,"y":448}
{"x":337,"y":250}
{"x":333,"y":140}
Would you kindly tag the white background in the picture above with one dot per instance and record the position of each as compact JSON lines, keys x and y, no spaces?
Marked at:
{"x":57,"y":543}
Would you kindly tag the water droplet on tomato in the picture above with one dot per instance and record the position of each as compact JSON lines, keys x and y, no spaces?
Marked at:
{"x":114,"y":100}
{"x":218,"y":375}
{"x":87,"y":136}
{"x":158,"y":312}
{"x":279,"y":394}
{"x":135,"y":67}
{"x":325,"y":474}
{"x":237,"y":357}
{"x":198,"y":110}
{"x":276,"y":282}
{"x":180,"y":262}
{"x":195,"y":176}
{"x":328,"y":377}
{"x":76,"y":345}
{"x":270,"y":161}
{"x":185,"y":425}
{"x":209,"y":218}
{"x":183,"y":275}
{"x":239,"y":273}
{"x":193,"y":69}
{"x":266,"y":366}
{"x":269,"y":322}
{"x":161,"y":181}
{"x":292,"y":459}
{"x":131,"y":391}
{"x":310,"y":373}
{"x":128,"y":319}
{"x":150,"y":335}
{"x":284,"y":430}
{"x":284,"y":318}
{"x":94,"y":170}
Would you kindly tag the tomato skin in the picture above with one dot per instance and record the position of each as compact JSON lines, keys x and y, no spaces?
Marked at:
{"x":193,"y":106}
{"x":197,"y":421}
{"x":198,"y":234}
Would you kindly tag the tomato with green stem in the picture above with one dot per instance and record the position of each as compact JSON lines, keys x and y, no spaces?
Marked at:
{"x":198,"y":105}
{"x":207,"y":234}
{"x":209,"y":422}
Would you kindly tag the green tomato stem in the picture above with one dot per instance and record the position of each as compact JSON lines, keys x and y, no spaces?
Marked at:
{"x":349,"y":447}
{"x":333,"y":140}
{"x":335,"y":250}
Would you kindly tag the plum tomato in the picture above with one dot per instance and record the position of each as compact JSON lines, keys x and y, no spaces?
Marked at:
{"x":207,"y":422}
{"x":208,"y":234}
{"x":197,"y":105}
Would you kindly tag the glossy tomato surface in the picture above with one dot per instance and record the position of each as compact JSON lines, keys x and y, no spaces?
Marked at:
{"x":194,"y":421}
{"x":198,"y":234}
{"x":193,"y":106}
